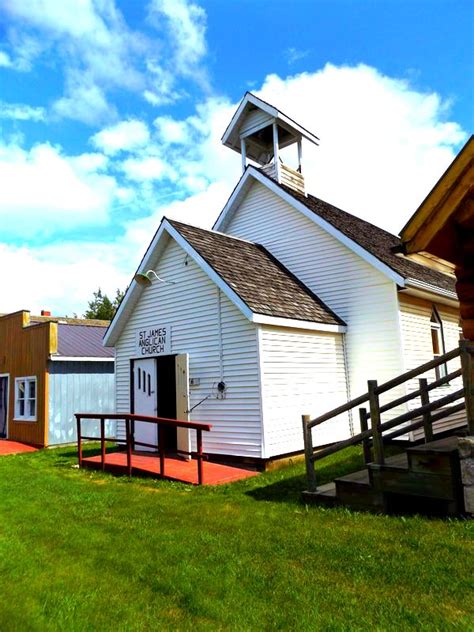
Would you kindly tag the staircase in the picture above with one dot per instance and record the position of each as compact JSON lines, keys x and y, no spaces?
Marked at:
{"x":425,"y":478}
{"x":422,"y":479}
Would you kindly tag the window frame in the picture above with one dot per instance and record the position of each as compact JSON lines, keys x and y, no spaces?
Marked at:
{"x":29,"y":379}
{"x":436,"y":326}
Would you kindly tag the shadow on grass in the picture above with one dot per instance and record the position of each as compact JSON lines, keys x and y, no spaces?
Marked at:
{"x":288,"y":489}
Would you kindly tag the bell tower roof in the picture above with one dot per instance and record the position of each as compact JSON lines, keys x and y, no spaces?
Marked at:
{"x":254,"y":121}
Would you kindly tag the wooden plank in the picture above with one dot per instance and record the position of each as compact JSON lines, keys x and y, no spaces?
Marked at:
{"x":365,"y":442}
{"x":431,"y":386}
{"x":425,"y":401}
{"x":375,"y":422}
{"x":308,"y":451}
{"x":398,"y":480}
{"x":467,"y":363}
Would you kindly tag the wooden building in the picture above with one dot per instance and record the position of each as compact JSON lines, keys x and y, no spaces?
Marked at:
{"x":286,"y":307}
{"x":49,"y":369}
{"x":443,"y":229}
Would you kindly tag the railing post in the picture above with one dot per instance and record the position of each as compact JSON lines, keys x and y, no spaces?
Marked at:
{"x":366,"y":441}
{"x":129,"y":445}
{"x":375,"y":422}
{"x":308,"y":453}
{"x":467,"y":365}
{"x":425,"y":400}
{"x":132,"y":433}
{"x":79,"y":440}
{"x":102,"y":442}
{"x":199,"y":457}
{"x":161,"y":449}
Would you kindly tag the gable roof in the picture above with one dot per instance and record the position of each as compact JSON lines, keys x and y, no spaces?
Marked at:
{"x":376,"y":245}
{"x":249,"y":103}
{"x":246,"y":273}
{"x":258,"y":278}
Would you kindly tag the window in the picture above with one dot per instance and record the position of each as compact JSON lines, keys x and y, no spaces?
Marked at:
{"x":437,"y":342}
{"x":25,"y":398}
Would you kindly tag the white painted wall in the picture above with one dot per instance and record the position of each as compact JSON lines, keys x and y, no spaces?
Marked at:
{"x":302,"y":373}
{"x":415,"y":317}
{"x":191,"y":306}
{"x":354,"y":289}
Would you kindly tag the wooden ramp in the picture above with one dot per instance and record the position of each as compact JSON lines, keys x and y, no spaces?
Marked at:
{"x":422,"y":479}
{"x":174,"y":468}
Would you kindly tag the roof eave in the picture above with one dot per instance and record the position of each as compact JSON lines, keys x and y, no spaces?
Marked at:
{"x":294,"y":323}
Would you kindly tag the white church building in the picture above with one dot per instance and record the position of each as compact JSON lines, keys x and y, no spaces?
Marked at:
{"x":286,"y":307}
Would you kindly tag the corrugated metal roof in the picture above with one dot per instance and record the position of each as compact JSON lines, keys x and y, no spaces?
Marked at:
{"x":82,"y":341}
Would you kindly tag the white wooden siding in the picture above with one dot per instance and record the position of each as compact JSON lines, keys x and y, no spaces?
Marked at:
{"x":191,"y":306}
{"x":302,"y":373}
{"x":415,"y":317}
{"x":79,"y":387}
{"x":355,"y":290}
{"x":255,"y":118}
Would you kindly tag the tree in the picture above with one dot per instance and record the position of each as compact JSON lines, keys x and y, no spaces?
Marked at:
{"x":101,"y":307}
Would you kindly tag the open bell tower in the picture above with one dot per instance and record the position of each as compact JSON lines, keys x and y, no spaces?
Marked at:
{"x":258,"y":131}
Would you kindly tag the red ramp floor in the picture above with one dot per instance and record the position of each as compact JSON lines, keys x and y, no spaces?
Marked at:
{"x":175,"y":469}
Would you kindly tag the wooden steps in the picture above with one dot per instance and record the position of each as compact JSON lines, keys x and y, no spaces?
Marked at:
{"x":424,"y":478}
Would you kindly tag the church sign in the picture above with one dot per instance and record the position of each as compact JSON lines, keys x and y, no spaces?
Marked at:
{"x":153,"y":341}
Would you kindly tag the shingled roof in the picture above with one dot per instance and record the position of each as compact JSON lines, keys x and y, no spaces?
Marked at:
{"x":378,"y":242}
{"x":259,"y":279}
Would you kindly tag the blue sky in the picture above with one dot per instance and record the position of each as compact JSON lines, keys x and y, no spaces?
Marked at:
{"x":111,"y":114}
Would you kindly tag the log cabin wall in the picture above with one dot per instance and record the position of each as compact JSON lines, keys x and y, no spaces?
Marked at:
{"x":24,"y":351}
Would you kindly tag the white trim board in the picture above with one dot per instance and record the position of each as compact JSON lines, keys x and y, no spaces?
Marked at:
{"x":241,"y":188}
{"x":293,"y":323}
{"x":79,"y":359}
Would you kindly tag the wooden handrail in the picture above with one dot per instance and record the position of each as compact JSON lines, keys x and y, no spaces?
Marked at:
{"x":430,"y":387}
{"x":388,"y":425}
{"x":378,"y":430}
{"x":386,"y":386}
{"x":180,"y":423}
{"x":130,"y":442}
{"x":404,"y":377}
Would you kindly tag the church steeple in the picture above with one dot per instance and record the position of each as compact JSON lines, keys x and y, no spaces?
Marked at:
{"x":258,"y":131}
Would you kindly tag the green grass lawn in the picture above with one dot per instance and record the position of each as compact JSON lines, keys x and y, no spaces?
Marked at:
{"x":82,"y":550}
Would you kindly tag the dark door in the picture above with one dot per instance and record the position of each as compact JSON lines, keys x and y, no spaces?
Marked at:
{"x":3,"y":406}
{"x":166,"y":388}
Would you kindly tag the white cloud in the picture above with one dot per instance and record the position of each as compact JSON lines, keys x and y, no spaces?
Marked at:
{"x":98,"y":49}
{"x":5,"y":60}
{"x":60,"y":278}
{"x":44,"y":192}
{"x":85,"y":101}
{"x":123,"y":136}
{"x":186,"y":23}
{"x":21,"y":112}
{"x":294,"y":54}
{"x":171,"y":131}
{"x":101,"y":54}
{"x":383,"y":143}
{"x":149,"y":168}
